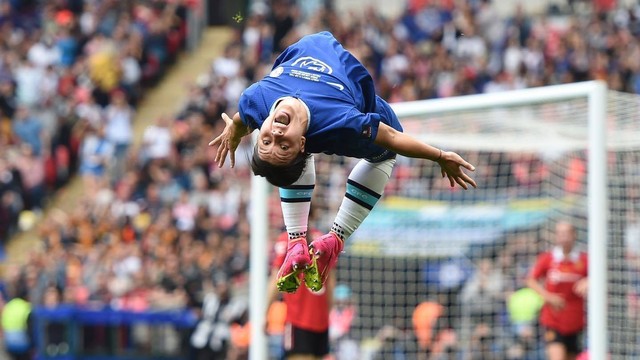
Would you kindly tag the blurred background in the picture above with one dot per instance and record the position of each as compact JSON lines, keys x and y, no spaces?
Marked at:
{"x":118,"y":232}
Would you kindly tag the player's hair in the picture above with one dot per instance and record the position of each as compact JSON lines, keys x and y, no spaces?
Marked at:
{"x":279,"y":175}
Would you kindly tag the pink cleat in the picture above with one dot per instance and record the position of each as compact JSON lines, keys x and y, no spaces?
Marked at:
{"x":295,"y":262}
{"x":324,"y":256}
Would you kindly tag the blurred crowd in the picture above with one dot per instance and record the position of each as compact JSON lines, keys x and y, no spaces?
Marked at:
{"x":474,"y":307}
{"x":161,"y":227}
{"x":70,"y":69}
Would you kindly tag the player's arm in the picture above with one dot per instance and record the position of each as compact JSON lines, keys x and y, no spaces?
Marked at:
{"x":229,"y":140}
{"x":537,"y":286}
{"x":581,"y":287}
{"x":330,"y":286}
{"x":272,"y":290}
{"x":406,"y":145}
{"x":533,"y":282}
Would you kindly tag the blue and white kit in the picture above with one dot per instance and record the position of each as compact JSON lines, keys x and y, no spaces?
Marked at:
{"x":338,"y":91}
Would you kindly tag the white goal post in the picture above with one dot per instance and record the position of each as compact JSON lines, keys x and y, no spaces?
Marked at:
{"x":596,"y":94}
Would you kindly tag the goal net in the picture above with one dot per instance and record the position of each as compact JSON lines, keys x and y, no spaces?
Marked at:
{"x":440,"y":272}
{"x":436,"y":272}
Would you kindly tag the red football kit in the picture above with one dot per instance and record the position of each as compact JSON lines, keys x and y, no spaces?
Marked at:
{"x":560,"y":274}
{"x":306,"y":310}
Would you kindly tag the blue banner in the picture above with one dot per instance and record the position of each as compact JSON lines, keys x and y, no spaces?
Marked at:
{"x":409,"y":227}
{"x":68,"y":332}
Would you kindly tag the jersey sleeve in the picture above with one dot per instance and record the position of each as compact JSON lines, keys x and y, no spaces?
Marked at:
{"x":363,"y":126}
{"x":541,"y":266}
{"x":247,"y":106}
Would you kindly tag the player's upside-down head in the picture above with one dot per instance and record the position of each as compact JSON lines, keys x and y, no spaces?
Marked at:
{"x":279,"y":154}
{"x":279,"y":175}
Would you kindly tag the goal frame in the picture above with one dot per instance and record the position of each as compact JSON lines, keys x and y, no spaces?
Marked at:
{"x":597,"y":194}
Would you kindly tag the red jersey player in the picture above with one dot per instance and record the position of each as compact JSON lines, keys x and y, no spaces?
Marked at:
{"x":306,"y":334}
{"x":563,"y":272}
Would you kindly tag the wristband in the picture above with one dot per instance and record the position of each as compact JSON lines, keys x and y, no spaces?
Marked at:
{"x":439,"y":156}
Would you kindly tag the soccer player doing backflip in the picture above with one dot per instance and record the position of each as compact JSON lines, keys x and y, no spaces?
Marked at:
{"x":319,"y":98}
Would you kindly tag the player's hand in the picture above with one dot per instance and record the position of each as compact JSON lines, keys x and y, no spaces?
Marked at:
{"x":580,"y":287}
{"x":451,"y":165}
{"x":227,"y":142}
{"x":555,"y":301}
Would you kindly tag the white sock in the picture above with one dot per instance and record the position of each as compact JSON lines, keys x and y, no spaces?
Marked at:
{"x":296,"y":201}
{"x":364,"y":187}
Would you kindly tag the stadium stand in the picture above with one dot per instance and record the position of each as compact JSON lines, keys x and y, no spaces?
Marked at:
{"x":61,"y":64}
{"x":163,"y":228}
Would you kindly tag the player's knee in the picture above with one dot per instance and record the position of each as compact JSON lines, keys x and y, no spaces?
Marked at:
{"x":556,"y":351}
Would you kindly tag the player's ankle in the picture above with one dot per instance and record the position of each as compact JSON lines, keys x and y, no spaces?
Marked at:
{"x":295,"y":240}
{"x":337,"y":236}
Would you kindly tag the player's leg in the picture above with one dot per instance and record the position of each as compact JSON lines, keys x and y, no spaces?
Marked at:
{"x":555,"y":348}
{"x":556,"y":351}
{"x":572,"y":346}
{"x":320,"y":345}
{"x":365,"y":186}
{"x":301,"y":344}
{"x":296,"y":204}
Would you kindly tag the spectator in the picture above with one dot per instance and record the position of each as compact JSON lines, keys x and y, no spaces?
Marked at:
{"x":28,"y":77}
{"x":156,"y":141}
{"x":523,"y":307}
{"x":564,"y":272}
{"x":481,"y":299}
{"x":482,"y":292}
{"x":240,"y":337}
{"x":184,"y":213}
{"x":276,"y":320}
{"x":425,"y":317}
{"x":388,"y":342}
{"x":283,"y":20}
{"x":96,"y":153}
{"x":119,"y":131}
{"x":11,"y":203}
{"x":103,"y":67}
{"x":28,"y":129}
{"x":31,"y":168}
{"x":8,"y":101}
{"x":43,"y":53}
{"x":87,"y":110}
{"x":482,"y":340}
{"x":131,"y":73}
{"x":55,"y":341}
{"x":446,"y":342}
{"x":212,"y":335}
{"x":341,"y":320}
{"x":16,"y":328}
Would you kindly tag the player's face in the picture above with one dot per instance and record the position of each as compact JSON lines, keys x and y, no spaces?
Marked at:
{"x":565,"y":235}
{"x":281,"y":138}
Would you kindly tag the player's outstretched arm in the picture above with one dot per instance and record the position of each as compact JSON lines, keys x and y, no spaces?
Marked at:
{"x":229,"y":140}
{"x":451,"y":164}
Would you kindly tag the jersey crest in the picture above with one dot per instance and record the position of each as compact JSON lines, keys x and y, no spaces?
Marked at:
{"x":311,"y":63}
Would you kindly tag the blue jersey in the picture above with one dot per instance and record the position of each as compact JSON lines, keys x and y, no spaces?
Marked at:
{"x":344,"y":109}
